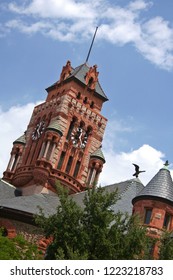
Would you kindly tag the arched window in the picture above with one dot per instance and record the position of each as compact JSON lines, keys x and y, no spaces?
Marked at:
{"x":90,"y":81}
{"x":92,"y":105}
{"x":48,"y":155}
{"x":148,"y":213}
{"x":91,"y":171}
{"x":85,"y":100}
{"x":89,"y":130}
{"x":71,"y":127}
{"x":61,"y":160}
{"x":77,"y":167}
{"x":78,"y":95}
{"x":15,"y":160}
{"x":69,"y":164}
{"x":167,"y":221}
{"x":82,"y":124}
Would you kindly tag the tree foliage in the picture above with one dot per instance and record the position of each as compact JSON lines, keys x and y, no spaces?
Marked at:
{"x":17,"y":248}
{"x":166,"y":246}
{"x":93,"y":231}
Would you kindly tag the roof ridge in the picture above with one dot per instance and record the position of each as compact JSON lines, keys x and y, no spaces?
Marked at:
{"x":7,"y":183}
{"x":79,"y":67}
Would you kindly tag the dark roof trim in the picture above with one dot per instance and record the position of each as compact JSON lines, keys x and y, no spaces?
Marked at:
{"x":150,"y":197}
{"x":18,"y":215}
{"x":55,"y":130}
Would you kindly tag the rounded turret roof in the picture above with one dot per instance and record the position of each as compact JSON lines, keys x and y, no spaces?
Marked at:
{"x":160,"y":186}
{"x":55,"y":126}
{"x":20,"y":140}
{"x":98,"y":154}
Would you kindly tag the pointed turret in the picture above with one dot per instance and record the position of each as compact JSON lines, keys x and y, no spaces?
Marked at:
{"x":160,"y":186}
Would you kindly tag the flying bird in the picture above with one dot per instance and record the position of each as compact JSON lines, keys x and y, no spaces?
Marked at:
{"x":137,"y":171}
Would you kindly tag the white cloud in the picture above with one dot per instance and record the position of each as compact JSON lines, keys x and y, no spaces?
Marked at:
{"x":139,"y":5}
{"x":118,"y":166}
{"x":57,"y":9}
{"x":40,"y":26}
{"x":69,"y":20}
{"x":156,"y":42}
{"x":13,"y":124}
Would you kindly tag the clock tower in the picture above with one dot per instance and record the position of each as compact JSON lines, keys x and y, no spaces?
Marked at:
{"x":63,"y":138}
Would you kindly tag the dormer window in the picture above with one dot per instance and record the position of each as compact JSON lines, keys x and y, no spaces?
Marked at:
{"x":90,"y":81}
{"x":91,"y":77}
{"x":66,"y":71}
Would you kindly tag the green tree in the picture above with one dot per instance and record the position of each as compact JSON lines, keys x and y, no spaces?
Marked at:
{"x":166,"y":246}
{"x":17,"y":249}
{"x":112,"y":235}
{"x":65,"y":228}
{"x":93,"y":231}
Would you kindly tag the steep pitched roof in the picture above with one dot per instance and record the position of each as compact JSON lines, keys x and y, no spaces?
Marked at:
{"x":160,"y":186}
{"x":80,"y":72}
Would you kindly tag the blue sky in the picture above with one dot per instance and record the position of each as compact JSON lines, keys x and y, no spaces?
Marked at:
{"x":134,"y":53}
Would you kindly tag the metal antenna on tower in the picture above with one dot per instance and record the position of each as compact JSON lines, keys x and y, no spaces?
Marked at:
{"x":91,"y":45}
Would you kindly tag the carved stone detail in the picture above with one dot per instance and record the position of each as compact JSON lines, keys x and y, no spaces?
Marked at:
{"x":66,"y":71}
{"x":92,"y":77}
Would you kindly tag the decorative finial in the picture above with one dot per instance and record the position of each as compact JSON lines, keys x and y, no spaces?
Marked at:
{"x":137,"y":171}
{"x":166,"y":164}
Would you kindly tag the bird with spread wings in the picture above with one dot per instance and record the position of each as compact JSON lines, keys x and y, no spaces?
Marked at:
{"x":137,"y":171}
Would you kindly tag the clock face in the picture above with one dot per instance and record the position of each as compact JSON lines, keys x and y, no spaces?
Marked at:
{"x":79,"y":138}
{"x":40,"y":127}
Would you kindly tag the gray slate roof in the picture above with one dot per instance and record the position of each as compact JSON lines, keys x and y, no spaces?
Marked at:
{"x":30,"y":204}
{"x":160,"y":186}
{"x":80,"y":73}
{"x":127,"y":190}
{"x":7,"y":191}
{"x":98,"y":154}
{"x":55,"y":126}
{"x":21,"y":140}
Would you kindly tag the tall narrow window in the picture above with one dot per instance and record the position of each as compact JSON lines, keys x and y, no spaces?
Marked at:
{"x":78,"y":95}
{"x":49,"y":151}
{"x":92,"y":104}
{"x":85,"y":100}
{"x":90,"y":81}
{"x":147,"y":218}
{"x":69,"y":163}
{"x":15,"y":161}
{"x":167,"y":220}
{"x":61,"y":160}
{"x":76,"y":169}
{"x":70,"y":128}
{"x":90,"y":175}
